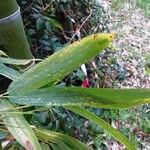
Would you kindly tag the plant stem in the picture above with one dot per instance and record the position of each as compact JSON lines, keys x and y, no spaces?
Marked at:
{"x":13,"y":40}
{"x":7,"y":7}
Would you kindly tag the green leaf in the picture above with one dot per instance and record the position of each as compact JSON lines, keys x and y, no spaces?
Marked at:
{"x":9,"y":72}
{"x":17,"y":61}
{"x":60,"y":64}
{"x":39,"y":24}
{"x":105,"y":125}
{"x":100,"y":98}
{"x":45,"y":146}
{"x":54,"y":23}
{"x":57,"y":139}
{"x":59,"y":145}
{"x":19,"y":127}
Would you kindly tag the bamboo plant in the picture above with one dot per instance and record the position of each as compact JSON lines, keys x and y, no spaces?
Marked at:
{"x":13,"y":41}
{"x":36,"y":87}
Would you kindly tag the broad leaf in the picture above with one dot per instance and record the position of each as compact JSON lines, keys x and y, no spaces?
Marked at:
{"x":9,"y":72}
{"x":105,"y":125}
{"x":19,"y":127}
{"x":39,"y":24}
{"x":60,"y":64}
{"x":100,"y":98}
{"x":54,"y":23}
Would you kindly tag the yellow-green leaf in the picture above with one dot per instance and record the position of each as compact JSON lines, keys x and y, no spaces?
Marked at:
{"x":19,"y":127}
{"x":59,"y":139}
{"x":17,"y":61}
{"x":76,"y":96}
{"x":60,"y":64}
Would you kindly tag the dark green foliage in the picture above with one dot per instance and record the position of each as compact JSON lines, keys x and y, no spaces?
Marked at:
{"x":51,"y":24}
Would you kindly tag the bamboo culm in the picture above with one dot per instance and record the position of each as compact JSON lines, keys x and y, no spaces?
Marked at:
{"x":13,"y":40}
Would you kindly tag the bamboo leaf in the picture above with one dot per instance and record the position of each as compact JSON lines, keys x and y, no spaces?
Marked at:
{"x":56,"y":138}
{"x":105,"y":125}
{"x":9,"y":72}
{"x":60,"y":64}
{"x":100,"y":98}
{"x":59,"y":146}
{"x":45,"y":146}
{"x":19,"y":127}
{"x":17,"y":61}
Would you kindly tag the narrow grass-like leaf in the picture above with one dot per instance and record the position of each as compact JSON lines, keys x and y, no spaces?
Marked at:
{"x":60,"y":64}
{"x":105,"y":125}
{"x":59,"y":146}
{"x":9,"y":72}
{"x":19,"y":127}
{"x":54,"y":137}
{"x":45,"y":146}
{"x":100,"y":98}
{"x":17,"y":61}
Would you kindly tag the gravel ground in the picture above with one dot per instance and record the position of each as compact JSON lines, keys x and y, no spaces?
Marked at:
{"x":132,"y":43}
{"x":131,"y":47}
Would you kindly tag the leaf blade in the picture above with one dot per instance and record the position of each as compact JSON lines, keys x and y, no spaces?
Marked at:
{"x":105,"y":125}
{"x":9,"y":72}
{"x":53,"y":137}
{"x":60,"y":64}
{"x":13,"y":61}
{"x":100,"y":98}
{"x":19,"y":127}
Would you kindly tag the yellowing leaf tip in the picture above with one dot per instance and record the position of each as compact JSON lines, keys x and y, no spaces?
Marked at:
{"x":108,"y":36}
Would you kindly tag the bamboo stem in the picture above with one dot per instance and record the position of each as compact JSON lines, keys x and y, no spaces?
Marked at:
{"x":13,"y":40}
{"x":7,"y":7}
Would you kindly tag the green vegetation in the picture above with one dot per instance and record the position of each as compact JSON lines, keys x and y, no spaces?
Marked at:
{"x":37,"y":108}
{"x":18,"y":90}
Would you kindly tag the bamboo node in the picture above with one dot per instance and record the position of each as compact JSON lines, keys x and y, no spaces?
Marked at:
{"x":11,"y":17}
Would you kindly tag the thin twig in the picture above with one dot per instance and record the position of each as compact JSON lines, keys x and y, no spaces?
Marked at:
{"x":69,"y":114}
{"x":28,"y":7}
{"x":81,"y":25}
